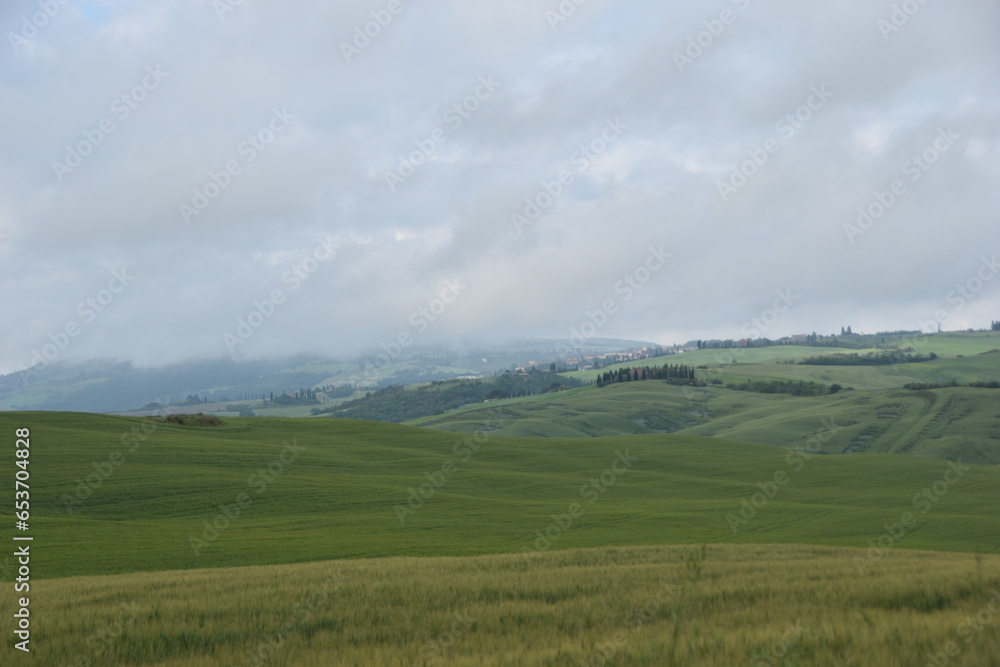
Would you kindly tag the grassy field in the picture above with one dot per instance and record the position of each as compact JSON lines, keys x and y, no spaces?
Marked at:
{"x":875,"y":414}
{"x":985,"y":366}
{"x":797,"y":534}
{"x":264,"y":491}
{"x":950,"y":344}
{"x":639,"y":606}
{"x":955,"y":350}
{"x":950,"y":423}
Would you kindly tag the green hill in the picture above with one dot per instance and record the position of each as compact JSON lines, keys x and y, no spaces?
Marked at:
{"x":950,"y":423}
{"x":110,"y":386}
{"x":261,"y":491}
{"x":876,"y":414}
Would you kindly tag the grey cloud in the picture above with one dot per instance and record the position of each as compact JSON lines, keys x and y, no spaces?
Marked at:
{"x":325,"y":174}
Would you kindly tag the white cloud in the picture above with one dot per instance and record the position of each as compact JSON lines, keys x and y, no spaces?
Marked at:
{"x":325,"y":173}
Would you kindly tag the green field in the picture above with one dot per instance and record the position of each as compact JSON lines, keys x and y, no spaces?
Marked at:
{"x":874,"y":413}
{"x":653,"y":524}
{"x":343,"y":494}
{"x":963,"y":356}
{"x":950,"y":423}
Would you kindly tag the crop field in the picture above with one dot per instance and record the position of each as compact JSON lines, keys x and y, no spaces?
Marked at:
{"x":960,"y":422}
{"x":792,"y":605}
{"x":261,"y":491}
{"x":873,"y":411}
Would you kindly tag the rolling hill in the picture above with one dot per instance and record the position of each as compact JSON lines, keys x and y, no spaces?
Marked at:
{"x":110,"y":386}
{"x":115,"y":495}
{"x":875,"y":413}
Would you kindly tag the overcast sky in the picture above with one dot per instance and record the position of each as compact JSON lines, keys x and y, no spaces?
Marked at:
{"x":176,"y":163}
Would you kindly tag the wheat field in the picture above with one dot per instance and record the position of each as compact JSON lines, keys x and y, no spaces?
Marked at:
{"x":715,"y":605}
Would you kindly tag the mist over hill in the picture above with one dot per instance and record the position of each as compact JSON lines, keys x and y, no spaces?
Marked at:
{"x":114,"y":386}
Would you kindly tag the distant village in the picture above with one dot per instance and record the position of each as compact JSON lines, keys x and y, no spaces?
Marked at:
{"x":592,"y":361}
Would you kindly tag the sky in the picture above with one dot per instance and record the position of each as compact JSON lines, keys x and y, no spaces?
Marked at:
{"x":201,"y":179}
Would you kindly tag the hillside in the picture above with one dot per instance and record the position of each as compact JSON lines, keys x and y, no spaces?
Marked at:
{"x":873,"y":412}
{"x":947,"y":423}
{"x":109,"y":386}
{"x":398,"y":404}
{"x":114,"y":495}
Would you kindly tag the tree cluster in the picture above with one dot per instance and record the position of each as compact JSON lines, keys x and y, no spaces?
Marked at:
{"x":300,"y":397}
{"x":979,"y":384}
{"x":337,"y":391}
{"x":199,"y":419}
{"x":681,"y":373}
{"x":871,"y":359}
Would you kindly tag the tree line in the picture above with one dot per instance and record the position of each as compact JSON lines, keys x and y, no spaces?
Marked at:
{"x":979,"y":384}
{"x":679,"y":373}
{"x":870,"y":359}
